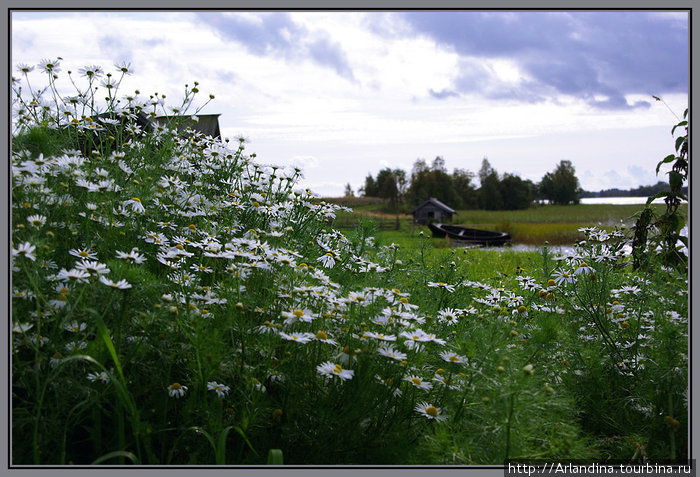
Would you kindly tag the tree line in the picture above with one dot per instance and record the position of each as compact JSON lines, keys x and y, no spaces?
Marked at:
{"x":459,"y":190}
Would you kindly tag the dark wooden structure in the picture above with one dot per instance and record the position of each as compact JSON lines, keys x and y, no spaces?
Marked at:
{"x":207,"y":124}
{"x":469,"y":236}
{"x":432,"y":210}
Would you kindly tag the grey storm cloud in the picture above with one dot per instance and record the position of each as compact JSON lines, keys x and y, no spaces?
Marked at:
{"x":277,"y":33}
{"x":583,"y":54}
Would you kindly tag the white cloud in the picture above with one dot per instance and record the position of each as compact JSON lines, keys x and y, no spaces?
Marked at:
{"x":298,"y":110}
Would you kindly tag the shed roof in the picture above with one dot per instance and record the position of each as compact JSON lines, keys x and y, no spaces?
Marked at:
{"x":436,"y":203}
{"x":205,"y":123}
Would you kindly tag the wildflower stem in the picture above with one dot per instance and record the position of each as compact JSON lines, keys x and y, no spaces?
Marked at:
{"x":671,"y":430}
{"x":509,"y":422}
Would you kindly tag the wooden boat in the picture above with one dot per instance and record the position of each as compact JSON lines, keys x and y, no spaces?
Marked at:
{"x":469,"y":236}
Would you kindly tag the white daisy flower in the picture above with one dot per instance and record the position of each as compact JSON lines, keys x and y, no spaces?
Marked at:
{"x":451,"y":357}
{"x":135,"y":204}
{"x":25,"y":249}
{"x":584,"y":268}
{"x":75,"y":327}
{"x":83,"y":253}
{"x":302,"y":338}
{"x":120,"y":285}
{"x":177,"y":390}
{"x":563,"y":277}
{"x":101,"y":376}
{"x":37,"y":221}
{"x":291,"y":317}
{"x":448,"y":316}
{"x":379,"y":336}
{"x":220,"y":389}
{"x":323,"y":337}
{"x":430,"y":412}
{"x":94,"y":268}
{"x":134,"y":256}
{"x":73,"y":275}
{"x":327,"y":260}
{"x":449,"y":288}
{"x":418,"y":382}
{"x":331,"y":369}
{"x":392,"y":353}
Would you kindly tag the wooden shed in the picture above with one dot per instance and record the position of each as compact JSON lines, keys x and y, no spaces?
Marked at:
{"x":206,"y":123}
{"x":432,"y":210}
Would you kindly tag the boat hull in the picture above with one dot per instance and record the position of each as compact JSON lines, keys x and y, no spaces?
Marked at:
{"x":469,"y":236}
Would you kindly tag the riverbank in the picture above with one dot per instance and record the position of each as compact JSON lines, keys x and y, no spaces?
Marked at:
{"x":556,"y":224}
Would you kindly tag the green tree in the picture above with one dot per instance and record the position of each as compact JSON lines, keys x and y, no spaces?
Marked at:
{"x":516,"y":193}
{"x":485,"y":170}
{"x":432,"y":182}
{"x":348,"y":190}
{"x":490,"y":197}
{"x":386,"y":186}
{"x":561,"y":186}
{"x":370,"y":188}
{"x":465,"y":189}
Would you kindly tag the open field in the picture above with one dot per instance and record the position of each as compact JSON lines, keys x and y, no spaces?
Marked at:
{"x":555,"y":224}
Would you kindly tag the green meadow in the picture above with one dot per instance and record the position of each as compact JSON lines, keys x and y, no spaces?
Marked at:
{"x":556,"y":224}
{"x":174,"y":302}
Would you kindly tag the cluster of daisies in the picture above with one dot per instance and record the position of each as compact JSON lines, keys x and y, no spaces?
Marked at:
{"x":210,"y":221}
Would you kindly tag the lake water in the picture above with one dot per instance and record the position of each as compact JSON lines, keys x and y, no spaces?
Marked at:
{"x":618,"y":200}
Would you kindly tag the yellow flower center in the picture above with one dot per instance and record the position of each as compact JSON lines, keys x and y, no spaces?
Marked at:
{"x":298,"y":313}
{"x":83,"y":253}
{"x":337,"y":369}
{"x":551,"y":283}
{"x":453,"y":358}
{"x":403,"y":299}
{"x":416,"y":381}
{"x":136,"y":199}
{"x":522,"y":309}
{"x":431,"y":411}
{"x":175,"y":386}
{"x":321,"y":335}
{"x":179,"y":247}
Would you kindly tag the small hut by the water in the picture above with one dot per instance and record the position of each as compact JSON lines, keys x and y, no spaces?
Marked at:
{"x":432,"y":210}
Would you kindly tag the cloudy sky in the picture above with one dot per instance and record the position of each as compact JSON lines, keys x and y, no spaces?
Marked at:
{"x":342,"y":94}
